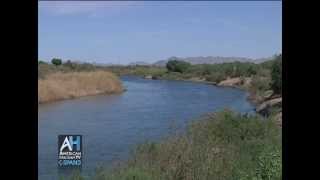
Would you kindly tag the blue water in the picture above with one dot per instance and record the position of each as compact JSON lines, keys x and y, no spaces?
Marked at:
{"x":112,"y":125}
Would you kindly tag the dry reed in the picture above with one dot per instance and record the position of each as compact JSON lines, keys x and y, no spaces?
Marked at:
{"x":59,"y":86}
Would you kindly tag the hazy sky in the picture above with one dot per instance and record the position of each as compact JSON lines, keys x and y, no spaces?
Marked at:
{"x":122,"y":32}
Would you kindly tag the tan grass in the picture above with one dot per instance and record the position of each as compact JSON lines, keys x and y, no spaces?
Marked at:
{"x":60,"y":86}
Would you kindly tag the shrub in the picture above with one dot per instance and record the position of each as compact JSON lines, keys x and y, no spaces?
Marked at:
{"x":263,"y":72}
{"x":251,"y":71}
{"x":177,"y":66}
{"x":276,"y":75}
{"x":260,"y":84}
{"x":269,"y":164}
{"x":225,"y":145}
{"x":56,"y":61}
{"x":215,"y":77}
{"x":172,"y":75}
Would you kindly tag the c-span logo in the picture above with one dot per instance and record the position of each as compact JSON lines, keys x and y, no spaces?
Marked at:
{"x":70,"y":150}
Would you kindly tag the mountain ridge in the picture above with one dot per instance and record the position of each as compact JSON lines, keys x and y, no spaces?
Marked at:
{"x":211,"y":60}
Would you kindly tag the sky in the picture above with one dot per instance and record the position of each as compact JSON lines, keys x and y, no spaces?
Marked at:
{"x":121,"y":32}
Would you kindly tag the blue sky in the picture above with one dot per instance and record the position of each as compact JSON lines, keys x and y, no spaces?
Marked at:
{"x":123,"y":32}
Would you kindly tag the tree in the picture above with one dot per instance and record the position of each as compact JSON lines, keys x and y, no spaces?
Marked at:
{"x":251,"y":70}
{"x":174,"y":65}
{"x":56,"y":61}
{"x":276,"y":75}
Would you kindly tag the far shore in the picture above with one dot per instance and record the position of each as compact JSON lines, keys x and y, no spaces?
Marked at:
{"x":261,"y":103}
{"x":253,"y":99}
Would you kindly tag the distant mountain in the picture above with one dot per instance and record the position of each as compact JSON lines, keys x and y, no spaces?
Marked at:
{"x":160,"y":63}
{"x":212,"y":60}
{"x":139,"y":63}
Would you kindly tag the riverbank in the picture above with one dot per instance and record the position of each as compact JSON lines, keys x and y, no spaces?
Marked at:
{"x":263,"y":80}
{"x":267,"y":102}
{"x":222,"y":145}
{"x":61,"y":86}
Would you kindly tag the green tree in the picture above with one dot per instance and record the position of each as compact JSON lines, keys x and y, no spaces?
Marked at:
{"x":56,"y":61}
{"x":174,"y":65}
{"x":276,"y":75}
{"x":251,"y":70}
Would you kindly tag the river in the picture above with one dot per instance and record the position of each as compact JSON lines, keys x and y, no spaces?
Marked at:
{"x":111,"y":125}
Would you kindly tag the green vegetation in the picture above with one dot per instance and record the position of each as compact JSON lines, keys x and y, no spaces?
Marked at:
{"x":276,"y":75}
{"x":256,"y":78}
{"x":225,"y":70}
{"x":56,"y":61}
{"x":259,"y":84}
{"x":174,"y":65}
{"x":177,"y":69}
{"x":225,"y":145}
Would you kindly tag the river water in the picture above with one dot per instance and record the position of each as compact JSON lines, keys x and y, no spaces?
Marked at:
{"x":111,"y":125}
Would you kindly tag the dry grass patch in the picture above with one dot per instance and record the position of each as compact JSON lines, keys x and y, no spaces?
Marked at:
{"x":60,"y":86}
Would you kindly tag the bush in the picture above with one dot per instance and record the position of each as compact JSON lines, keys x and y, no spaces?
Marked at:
{"x":226,"y":145}
{"x":260,"y":84}
{"x":276,"y":75}
{"x":215,"y":77}
{"x":171,"y":75}
{"x":269,"y":164}
{"x":177,"y":66}
{"x":251,"y":71}
{"x":56,"y":61}
{"x":263,"y":72}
